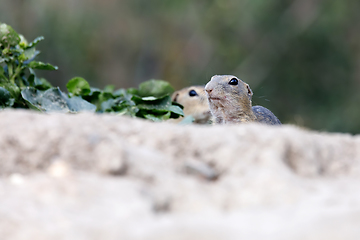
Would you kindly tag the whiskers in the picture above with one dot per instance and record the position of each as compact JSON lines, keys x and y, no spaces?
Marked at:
{"x":263,"y":97}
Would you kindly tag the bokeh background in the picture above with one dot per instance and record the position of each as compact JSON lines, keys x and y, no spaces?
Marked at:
{"x":300,"y":57}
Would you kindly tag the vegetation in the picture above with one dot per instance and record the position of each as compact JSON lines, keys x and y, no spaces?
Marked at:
{"x":300,"y":57}
{"x":21,"y":88}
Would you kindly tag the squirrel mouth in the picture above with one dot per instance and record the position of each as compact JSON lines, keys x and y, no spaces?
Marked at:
{"x":215,"y":98}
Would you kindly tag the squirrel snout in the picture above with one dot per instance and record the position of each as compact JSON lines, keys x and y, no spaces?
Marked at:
{"x":208,"y":90}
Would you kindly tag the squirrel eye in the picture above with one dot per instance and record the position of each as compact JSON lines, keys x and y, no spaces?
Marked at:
{"x":233,"y":81}
{"x":193,"y":93}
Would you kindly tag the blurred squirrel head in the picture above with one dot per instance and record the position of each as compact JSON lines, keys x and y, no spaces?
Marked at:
{"x":194,"y":101}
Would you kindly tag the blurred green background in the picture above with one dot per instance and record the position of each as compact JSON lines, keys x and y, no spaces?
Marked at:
{"x":300,"y":57}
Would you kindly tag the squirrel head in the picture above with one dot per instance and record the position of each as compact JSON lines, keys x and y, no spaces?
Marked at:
{"x":229,"y":94}
{"x":194,"y":101}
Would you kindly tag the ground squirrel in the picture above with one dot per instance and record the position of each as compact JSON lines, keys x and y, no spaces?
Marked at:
{"x":195,"y":103}
{"x":230,"y":102}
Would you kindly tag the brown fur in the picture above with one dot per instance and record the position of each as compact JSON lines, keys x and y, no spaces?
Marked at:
{"x":197,"y":106}
{"x":232,"y":103}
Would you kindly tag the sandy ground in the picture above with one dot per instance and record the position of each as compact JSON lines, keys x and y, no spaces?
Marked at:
{"x":89,"y":176}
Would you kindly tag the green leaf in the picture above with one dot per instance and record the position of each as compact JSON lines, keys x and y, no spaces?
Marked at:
{"x":42,"y":84}
{"x":12,"y":88}
{"x":157,"y":118}
{"x":118,"y":105}
{"x":23,"y":42}
{"x":121,"y":92}
{"x":151,"y":98}
{"x":132,"y":91}
{"x":109,"y":88}
{"x":4,"y":94}
{"x":48,"y":101}
{"x":5,"y":98}
{"x":38,"y":83}
{"x":178,"y":104}
{"x":159,"y":107}
{"x":8,"y":36}
{"x":77,"y":104}
{"x":155,"y":88}
{"x":125,"y":95}
{"x":54,"y":100}
{"x":35,"y":42}
{"x":2,"y":74}
{"x":107,"y":106}
{"x":98,"y":99}
{"x":166,"y":116}
{"x":128,"y":112}
{"x":78,"y":86}
{"x":94,"y":91}
{"x":42,"y":66}
{"x":162,"y":104}
{"x":187,"y":120}
{"x":93,"y":97}
{"x":30,"y":53}
{"x":176,"y":110}
{"x":31,"y":78}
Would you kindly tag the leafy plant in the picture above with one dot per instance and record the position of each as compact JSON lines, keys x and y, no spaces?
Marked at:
{"x":151,"y":100}
{"x":21,"y":88}
{"x":19,"y":85}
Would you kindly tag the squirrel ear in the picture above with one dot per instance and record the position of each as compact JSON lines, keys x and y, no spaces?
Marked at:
{"x":249,"y":90}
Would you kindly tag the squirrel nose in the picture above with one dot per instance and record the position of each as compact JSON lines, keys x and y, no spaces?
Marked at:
{"x":208,"y":90}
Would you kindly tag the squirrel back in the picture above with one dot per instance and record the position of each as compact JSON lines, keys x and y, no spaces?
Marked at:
{"x":230,"y":102}
{"x":264,"y":115}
